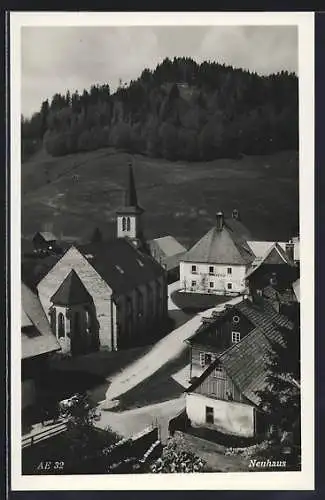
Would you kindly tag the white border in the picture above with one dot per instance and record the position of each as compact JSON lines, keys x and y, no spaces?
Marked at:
{"x":303,"y":480}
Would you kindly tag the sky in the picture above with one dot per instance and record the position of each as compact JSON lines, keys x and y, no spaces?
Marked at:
{"x":55,"y":59}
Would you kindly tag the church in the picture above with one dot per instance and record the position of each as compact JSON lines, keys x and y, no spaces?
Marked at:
{"x":106,"y":294}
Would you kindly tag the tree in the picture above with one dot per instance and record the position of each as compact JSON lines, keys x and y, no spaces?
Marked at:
{"x":280,"y":400}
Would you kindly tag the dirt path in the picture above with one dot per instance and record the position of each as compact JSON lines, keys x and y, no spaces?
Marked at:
{"x":130,"y":422}
{"x":167,"y":349}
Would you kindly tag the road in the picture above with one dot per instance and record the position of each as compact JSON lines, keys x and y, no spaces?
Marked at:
{"x":130,"y":422}
{"x":165,"y":350}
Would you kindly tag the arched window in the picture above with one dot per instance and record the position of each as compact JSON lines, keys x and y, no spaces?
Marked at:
{"x":128,"y":224}
{"x":61,"y":326}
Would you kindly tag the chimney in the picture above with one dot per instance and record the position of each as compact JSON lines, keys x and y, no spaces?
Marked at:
{"x":219,"y":220}
{"x":290,"y":249}
{"x":235,"y":214}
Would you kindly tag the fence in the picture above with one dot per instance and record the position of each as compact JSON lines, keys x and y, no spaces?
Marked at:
{"x":54,"y":430}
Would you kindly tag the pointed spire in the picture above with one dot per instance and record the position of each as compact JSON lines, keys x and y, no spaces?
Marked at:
{"x":131,"y":193}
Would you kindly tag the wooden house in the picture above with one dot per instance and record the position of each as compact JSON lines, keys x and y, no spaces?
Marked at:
{"x":222,"y":330}
{"x":225,"y":397}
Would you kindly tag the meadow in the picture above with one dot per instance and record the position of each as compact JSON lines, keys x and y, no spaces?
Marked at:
{"x":79,"y":192}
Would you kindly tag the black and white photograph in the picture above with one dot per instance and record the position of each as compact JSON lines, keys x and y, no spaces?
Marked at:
{"x":162,"y":250}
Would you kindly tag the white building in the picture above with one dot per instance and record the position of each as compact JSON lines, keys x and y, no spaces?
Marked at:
{"x":217,"y":263}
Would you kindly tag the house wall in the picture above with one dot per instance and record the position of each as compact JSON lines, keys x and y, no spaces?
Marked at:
{"x":220,"y":278}
{"x":96,"y":286}
{"x":229,"y":417}
{"x":134,"y":325}
{"x":222,"y":330}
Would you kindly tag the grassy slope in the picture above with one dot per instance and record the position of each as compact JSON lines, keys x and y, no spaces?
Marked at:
{"x":180,"y":198}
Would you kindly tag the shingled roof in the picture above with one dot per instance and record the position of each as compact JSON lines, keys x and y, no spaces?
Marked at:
{"x":246,"y":364}
{"x":71,"y":291}
{"x":121,"y":265}
{"x":225,"y":246}
{"x":262,"y":315}
{"x":36,"y":334}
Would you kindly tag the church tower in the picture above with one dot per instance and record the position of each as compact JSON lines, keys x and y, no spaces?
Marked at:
{"x":129,"y":223}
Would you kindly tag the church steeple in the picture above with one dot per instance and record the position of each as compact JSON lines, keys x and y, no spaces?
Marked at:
{"x":129,"y":216}
{"x":131,"y":199}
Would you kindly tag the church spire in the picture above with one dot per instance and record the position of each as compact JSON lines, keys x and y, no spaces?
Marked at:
{"x":131,"y":193}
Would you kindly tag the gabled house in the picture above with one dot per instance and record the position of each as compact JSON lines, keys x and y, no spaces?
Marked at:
{"x":44,"y":241}
{"x":222,"y":330}
{"x":168,"y":252}
{"x":218,"y":262}
{"x":37,"y":343}
{"x":224,"y":397}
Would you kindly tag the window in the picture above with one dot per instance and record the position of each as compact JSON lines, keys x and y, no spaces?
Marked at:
{"x":218,"y":372}
{"x":123,"y":224}
{"x":236,"y":319}
{"x":61,"y":327}
{"x":211,"y":270}
{"x":194,"y":270}
{"x":211,"y":284}
{"x":229,"y":270}
{"x":235,"y":337}
{"x":193,"y":283}
{"x":128,"y":224}
{"x":209,"y":416}
{"x":205,"y":358}
{"x":229,"y":286}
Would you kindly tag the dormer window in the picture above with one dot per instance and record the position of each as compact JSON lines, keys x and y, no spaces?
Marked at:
{"x":235,"y":337}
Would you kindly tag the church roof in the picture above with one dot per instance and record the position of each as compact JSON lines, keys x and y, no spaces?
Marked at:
{"x":71,"y":291}
{"x":121,"y":265}
{"x":225,"y":246}
{"x":131,"y":200}
{"x":36,"y":335}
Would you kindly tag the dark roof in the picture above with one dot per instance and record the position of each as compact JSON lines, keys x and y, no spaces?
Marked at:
{"x":46,"y":235}
{"x":262,"y":315}
{"x":121,"y":265}
{"x":245,"y":363}
{"x":71,"y":291}
{"x":224,"y":246}
{"x":36,"y":335}
{"x":238,"y":227}
{"x":131,"y":200}
{"x":33,"y":268}
{"x":207,"y":333}
{"x":274,"y":256}
{"x":284,"y":297}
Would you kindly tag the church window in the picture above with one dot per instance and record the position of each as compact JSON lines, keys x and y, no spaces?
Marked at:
{"x":61,"y":328}
{"x":128,"y":224}
{"x":124,"y":223}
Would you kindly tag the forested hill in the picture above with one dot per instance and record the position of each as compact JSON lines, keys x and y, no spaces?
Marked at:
{"x":181,"y":110}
